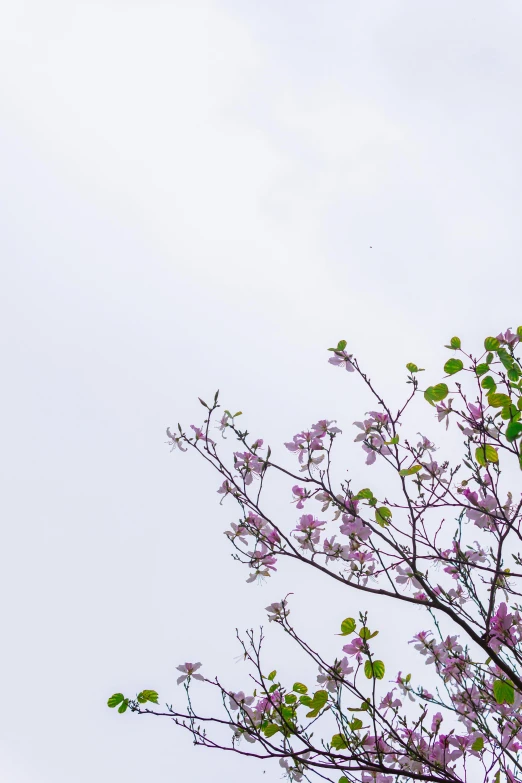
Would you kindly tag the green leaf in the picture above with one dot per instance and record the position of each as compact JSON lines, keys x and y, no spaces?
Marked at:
{"x":115,"y":699}
{"x":271,"y":729}
{"x":455,"y":343}
{"x":505,"y":357}
{"x":300,"y":688}
{"x":320,"y":699}
{"x":145,"y":696}
{"x":491,"y":344}
{"x":503,"y":692}
{"x":272,"y":675}
{"x":393,"y":441}
{"x":410,"y":471}
{"x":364,"y":494}
{"x":343,"y":780}
{"x":513,"y":431}
{"x":306,"y":700}
{"x":412,"y":367}
{"x":273,"y":687}
{"x":453,"y":366}
{"x":436,"y":393}
{"x":478,"y":744}
{"x":123,"y":706}
{"x":519,"y":332}
{"x":375,"y":669}
{"x":498,"y":400}
{"x":378,"y":670}
{"x":341,"y":345}
{"x":339,"y":742}
{"x":382,"y":515}
{"x":365,"y":633}
{"x":486,"y":454}
{"x":356,"y":724}
{"x":347,"y":626}
{"x":488,"y":383}
{"x":513,"y":373}
{"x":482,"y":369}
{"x":290,"y":698}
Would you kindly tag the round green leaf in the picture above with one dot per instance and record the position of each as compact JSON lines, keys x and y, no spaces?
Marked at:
{"x":455,"y":342}
{"x":378,"y":670}
{"x":498,"y":400}
{"x":503,"y":692}
{"x":513,"y":431}
{"x":482,"y":369}
{"x":338,"y":743}
{"x":115,"y":699}
{"x":375,"y":669}
{"x":491,"y":344}
{"x":320,"y":699}
{"x":436,"y":393}
{"x":410,"y":471}
{"x":347,"y":626}
{"x":382,"y":515}
{"x":412,"y":367}
{"x":300,"y":688}
{"x":271,"y":729}
{"x":478,"y":744}
{"x":489,"y":384}
{"x":486,"y":454}
{"x":453,"y":366}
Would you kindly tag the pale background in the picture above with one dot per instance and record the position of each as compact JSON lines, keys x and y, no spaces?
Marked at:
{"x":189,"y":196}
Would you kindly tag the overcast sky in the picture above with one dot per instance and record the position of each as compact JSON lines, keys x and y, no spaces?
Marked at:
{"x":209,"y":194}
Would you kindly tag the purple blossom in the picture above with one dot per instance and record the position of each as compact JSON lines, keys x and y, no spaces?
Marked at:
{"x":342,"y":359}
{"x":188,"y":670}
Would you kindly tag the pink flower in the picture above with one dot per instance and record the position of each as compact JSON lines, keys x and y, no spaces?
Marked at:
{"x":354,"y":647}
{"x":389,"y":702}
{"x":475,"y":410}
{"x":407,"y":577}
{"x":435,"y":723}
{"x":323,"y":428}
{"x":310,"y":530}
{"x":443,"y":411}
{"x":238,"y":531}
{"x":225,"y":488}
{"x":329,"y":678}
{"x":277,"y":611}
{"x":175,"y":440}
{"x":237,"y":700}
{"x":508,"y":337}
{"x":482,"y":514}
{"x":248,"y":465}
{"x":200,"y":435}
{"x":342,"y":359}
{"x":354,"y":526}
{"x":301,"y":494}
{"x":188,"y":670}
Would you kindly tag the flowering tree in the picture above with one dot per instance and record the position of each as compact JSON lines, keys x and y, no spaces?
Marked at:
{"x":447,"y":541}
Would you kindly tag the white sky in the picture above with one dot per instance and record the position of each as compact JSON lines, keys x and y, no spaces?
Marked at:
{"x":189,"y":193}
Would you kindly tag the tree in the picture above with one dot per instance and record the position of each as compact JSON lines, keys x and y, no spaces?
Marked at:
{"x":447,"y":541}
